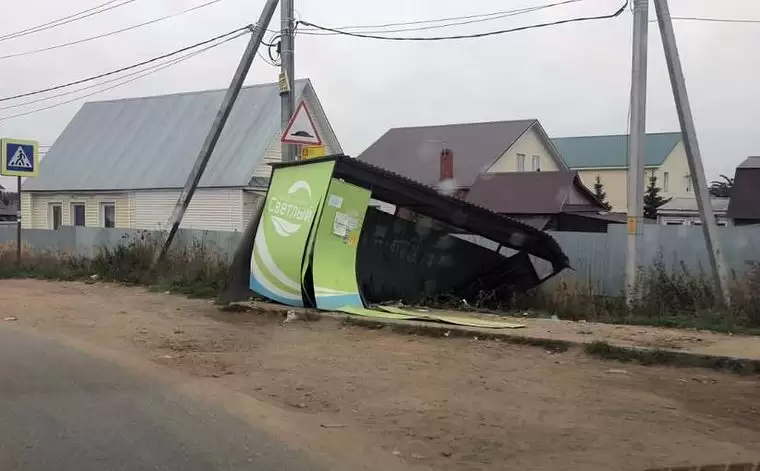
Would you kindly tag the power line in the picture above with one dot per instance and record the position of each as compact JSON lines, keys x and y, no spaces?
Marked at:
{"x":711,"y":20}
{"x":96,"y":85}
{"x":96,"y":10}
{"x":468,"y":19}
{"x":129,"y":67}
{"x":142,"y":73}
{"x":618,"y":12}
{"x":111,"y":33}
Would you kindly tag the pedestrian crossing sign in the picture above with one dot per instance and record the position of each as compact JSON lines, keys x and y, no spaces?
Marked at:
{"x":19,"y":158}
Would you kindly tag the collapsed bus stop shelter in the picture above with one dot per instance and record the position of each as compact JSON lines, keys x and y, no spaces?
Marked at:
{"x":318,"y":241}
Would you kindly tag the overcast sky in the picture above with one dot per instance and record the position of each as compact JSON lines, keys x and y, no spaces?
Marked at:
{"x":574,"y":78}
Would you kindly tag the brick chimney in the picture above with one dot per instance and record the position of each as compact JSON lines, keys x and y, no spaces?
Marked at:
{"x":447,"y":165}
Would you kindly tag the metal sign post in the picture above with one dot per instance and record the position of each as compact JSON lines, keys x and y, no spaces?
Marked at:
{"x":19,"y":158}
{"x":18,"y":224}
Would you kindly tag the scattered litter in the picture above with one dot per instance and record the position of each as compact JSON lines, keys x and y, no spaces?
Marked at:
{"x":10,"y":318}
{"x":179,"y":331}
{"x":95,"y":277}
{"x":683,"y":380}
{"x":417,"y":457}
{"x":167,"y":292}
{"x":585,"y":332}
{"x":446,"y":453}
{"x":166,"y":357}
{"x":447,"y":333}
{"x":617,"y":371}
{"x":704,"y":380}
{"x":582,"y":321}
{"x":290,"y":317}
{"x":554,"y":317}
{"x":301,"y":405}
{"x":333,"y":425}
{"x":396,"y":453}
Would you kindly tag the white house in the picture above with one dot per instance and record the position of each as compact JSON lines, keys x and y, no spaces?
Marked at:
{"x":123,"y":163}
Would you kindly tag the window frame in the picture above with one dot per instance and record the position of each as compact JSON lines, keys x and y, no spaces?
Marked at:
{"x":73,"y":208}
{"x":103,"y":206}
{"x":665,"y":181}
{"x":535,"y":162}
{"x":51,"y":215}
{"x":520,"y":162}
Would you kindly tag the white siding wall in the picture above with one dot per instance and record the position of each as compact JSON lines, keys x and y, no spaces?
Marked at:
{"x":36,"y":208}
{"x":210,"y":209}
{"x":251,"y":201}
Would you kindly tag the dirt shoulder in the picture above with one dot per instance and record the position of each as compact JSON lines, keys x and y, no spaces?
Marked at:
{"x":442,"y":403}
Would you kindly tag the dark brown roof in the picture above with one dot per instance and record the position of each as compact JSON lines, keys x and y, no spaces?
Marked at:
{"x":415,"y":152}
{"x":533,"y":193}
{"x":746,"y":191}
{"x":750,"y":162}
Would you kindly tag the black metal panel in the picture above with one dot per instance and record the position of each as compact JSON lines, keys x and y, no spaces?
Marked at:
{"x":410,"y":260}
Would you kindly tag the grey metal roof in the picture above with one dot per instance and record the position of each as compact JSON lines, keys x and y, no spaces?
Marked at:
{"x":152,"y":142}
{"x":414,"y":152}
{"x":685,"y":204}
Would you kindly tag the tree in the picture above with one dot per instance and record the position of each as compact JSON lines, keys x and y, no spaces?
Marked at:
{"x":652,"y":198}
{"x":721,"y":189}
{"x":600,"y":194}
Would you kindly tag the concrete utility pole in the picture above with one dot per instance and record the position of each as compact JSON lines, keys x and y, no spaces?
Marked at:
{"x":636,"y":144}
{"x":287,"y":74}
{"x":218,"y":125}
{"x":696,"y":169}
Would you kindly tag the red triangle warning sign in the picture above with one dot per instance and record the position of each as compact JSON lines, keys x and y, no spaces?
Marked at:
{"x":301,"y":128}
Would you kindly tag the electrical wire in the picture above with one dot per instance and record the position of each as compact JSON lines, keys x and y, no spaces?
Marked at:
{"x":96,"y":85}
{"x":140,"y":74}
{"x":110,"y":33}
{"x":616,"y":13}
{"x":96,"y":10}
{"x":468,"y":20}
{"x":129,"y":67}
{"x":710,"y":20}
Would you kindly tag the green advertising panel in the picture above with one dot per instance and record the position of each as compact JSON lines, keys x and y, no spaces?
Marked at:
{"x":293,"y":201}
{"x":335,"y":245}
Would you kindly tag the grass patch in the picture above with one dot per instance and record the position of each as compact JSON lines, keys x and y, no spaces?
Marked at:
{"x":674,"y":297}
{"x":644,"y":356}
{"x":196,"y":270}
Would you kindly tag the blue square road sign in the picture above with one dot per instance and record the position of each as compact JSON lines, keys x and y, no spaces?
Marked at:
{"x":19,"y":158}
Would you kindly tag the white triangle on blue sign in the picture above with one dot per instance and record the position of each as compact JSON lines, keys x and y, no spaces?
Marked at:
{"x":20,"y":160}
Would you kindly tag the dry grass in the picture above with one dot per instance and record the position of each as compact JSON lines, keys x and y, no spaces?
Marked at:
{"x":196,"y":270}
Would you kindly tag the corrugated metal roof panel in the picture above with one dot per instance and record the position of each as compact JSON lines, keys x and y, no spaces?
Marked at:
{"x":612,"y":151}
{"x":152,"y":142}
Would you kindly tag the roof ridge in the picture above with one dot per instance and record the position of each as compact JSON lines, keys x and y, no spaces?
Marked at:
{"x":526,"y":120}
{"x":191,"y":92}
{"x":662,"y":133}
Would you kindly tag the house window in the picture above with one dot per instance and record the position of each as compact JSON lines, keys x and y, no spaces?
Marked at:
{"x":55,"y":216}
{"x":520,"y":162}
{"x":536,"y":163}
{"x":688,"y":183}
{"x":108,"y":214}
{"x":77,"y":214}
{"x":665,"y":181}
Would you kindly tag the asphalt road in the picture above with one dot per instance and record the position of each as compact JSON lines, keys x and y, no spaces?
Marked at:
{"x":62,"y":410}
